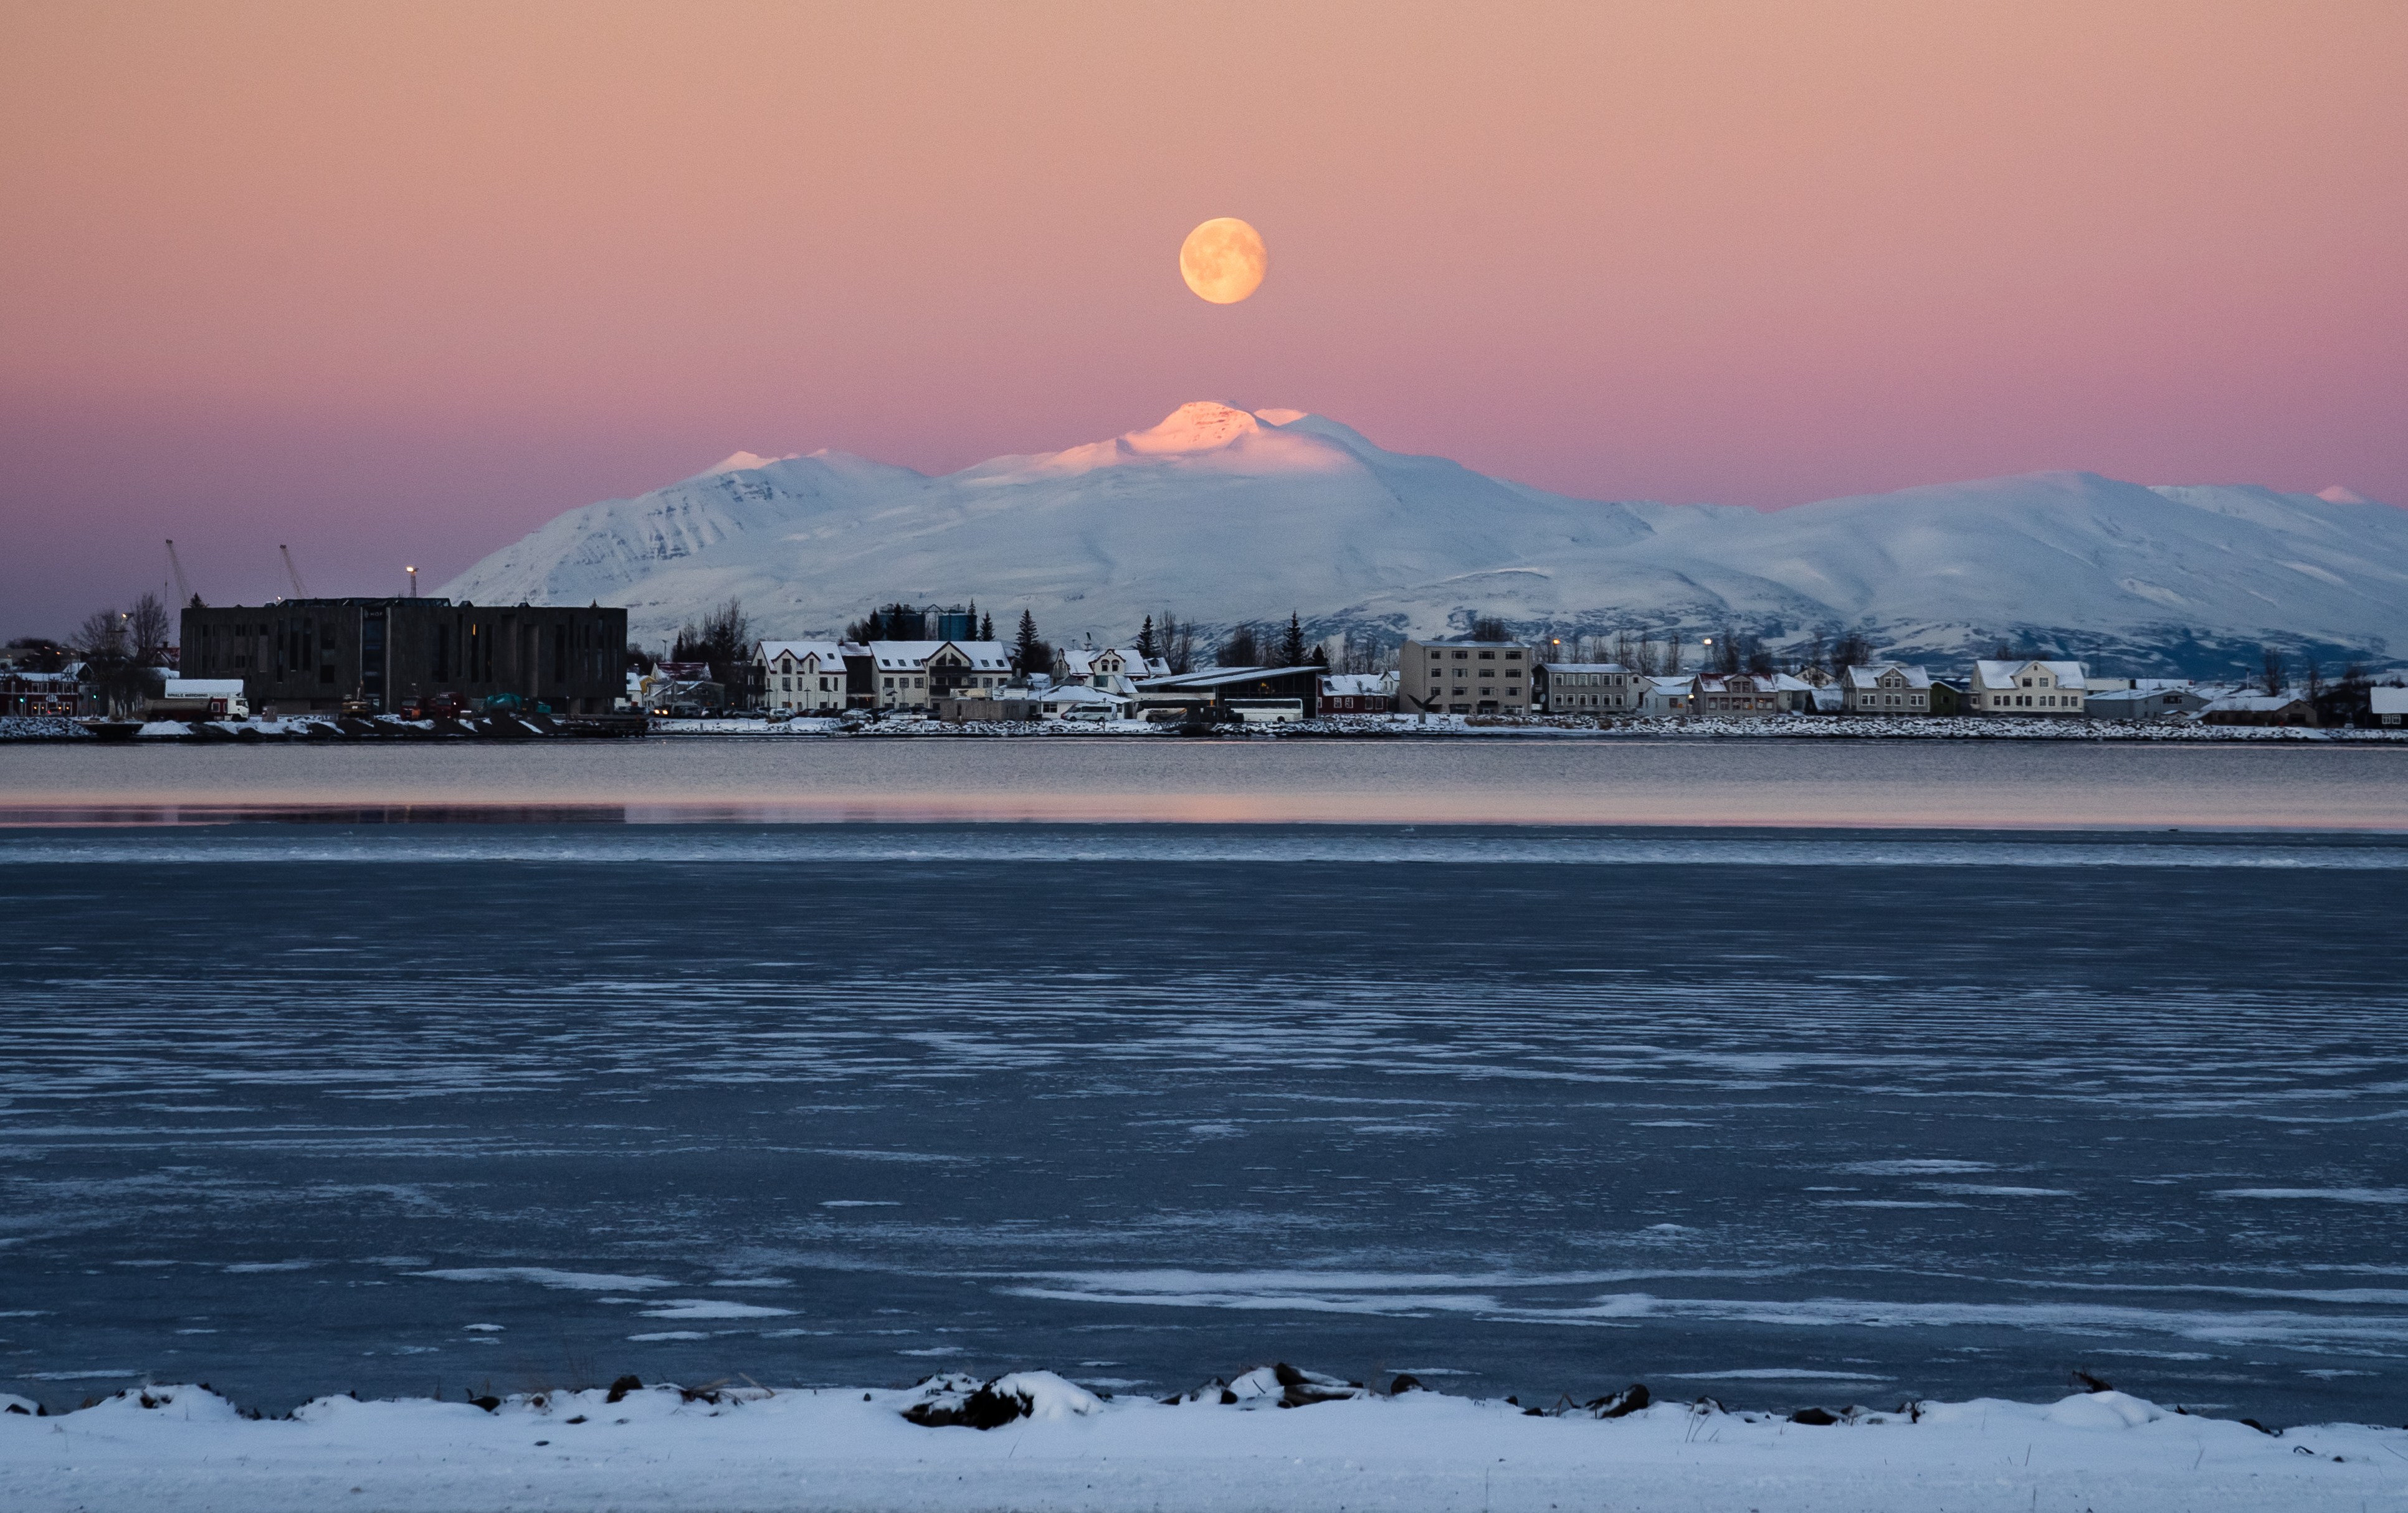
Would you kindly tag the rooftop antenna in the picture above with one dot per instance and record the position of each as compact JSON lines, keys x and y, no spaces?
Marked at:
{"x":293,"y":573}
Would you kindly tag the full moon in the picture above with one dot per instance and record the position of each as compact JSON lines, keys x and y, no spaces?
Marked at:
{"x":1223,"y":259}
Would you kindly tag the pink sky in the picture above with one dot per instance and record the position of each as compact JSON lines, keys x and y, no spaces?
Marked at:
{"x":397,"y":284}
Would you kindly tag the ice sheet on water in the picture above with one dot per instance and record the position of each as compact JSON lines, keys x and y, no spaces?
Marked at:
{"x":576,"y":1281}
{"x":2386,"y":1195}
{"x":714,"y":1308}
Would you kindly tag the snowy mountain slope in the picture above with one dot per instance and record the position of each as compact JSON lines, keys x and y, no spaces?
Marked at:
{"x":1227,"y":515}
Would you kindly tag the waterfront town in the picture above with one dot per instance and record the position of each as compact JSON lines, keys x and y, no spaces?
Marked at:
{"x":357,"y":665}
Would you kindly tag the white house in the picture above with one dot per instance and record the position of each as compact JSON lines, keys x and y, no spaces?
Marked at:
{"x":1886,"y":688}
{"x":912,"y":674}
{"x":2041,"y":689}
{"x":1665,"y":697}
{"x":1113,"y":669}
{"x":801,"y":677}
{"x":2390,"y":704}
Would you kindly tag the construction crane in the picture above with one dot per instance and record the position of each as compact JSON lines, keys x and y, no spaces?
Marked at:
{"x":184,"y":594}
{"x":293,"y":573}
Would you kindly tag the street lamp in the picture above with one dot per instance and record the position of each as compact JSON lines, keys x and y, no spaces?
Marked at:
{"x":414,"y":580}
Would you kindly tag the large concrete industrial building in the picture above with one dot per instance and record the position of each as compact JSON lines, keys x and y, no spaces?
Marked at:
{"x":303,"y":655}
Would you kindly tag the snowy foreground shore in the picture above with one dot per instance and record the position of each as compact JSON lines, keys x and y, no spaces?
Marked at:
{"x":1057,"y":1446}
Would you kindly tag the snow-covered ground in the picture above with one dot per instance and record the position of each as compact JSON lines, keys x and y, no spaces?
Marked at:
{"x":171,"y":1449}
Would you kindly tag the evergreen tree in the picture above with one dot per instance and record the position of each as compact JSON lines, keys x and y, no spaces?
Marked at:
{"x":1291,"y":649}
{"x":1146,"y":643}
{"x":1024,"y":646}
{"x":986,"y":628}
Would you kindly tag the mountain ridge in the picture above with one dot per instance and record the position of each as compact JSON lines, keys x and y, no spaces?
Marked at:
{"x":1230,"y":515}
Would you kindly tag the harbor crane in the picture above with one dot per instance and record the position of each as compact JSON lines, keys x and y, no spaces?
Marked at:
{"x":184,"y":594}
{"x":293,"y":573}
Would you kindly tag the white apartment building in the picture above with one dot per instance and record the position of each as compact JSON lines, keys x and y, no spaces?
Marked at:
{"x":911,"y":675}
{"x":801,"y":677}
{"x":1585,"y":687}
{"x":1884,"y":688}
{"x":1464,"y":677}
{"x":2041,"y":689}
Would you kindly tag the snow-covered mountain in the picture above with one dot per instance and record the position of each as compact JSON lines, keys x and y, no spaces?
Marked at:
{"x":1226,"y":515}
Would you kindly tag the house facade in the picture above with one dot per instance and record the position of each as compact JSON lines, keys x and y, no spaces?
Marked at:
{"x":1733,"y":696}
{"x":2260,"y":710}
{"x":1665,"y":697}
{"x":1464,"y":676}
{"x":2027,"y":689}
{"x":2161,"y":701}
{"x":801,"y":677}
{"x":1884,"y":688}
{"x":1113,"y":669}
{"x":1584,"y":688}
{"x":1359,"y":693}
{"x":909,"y":677}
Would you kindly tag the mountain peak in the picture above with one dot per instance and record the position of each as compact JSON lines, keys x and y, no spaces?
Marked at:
{"x":1199,"y":425}
{"x":2338,"y":495}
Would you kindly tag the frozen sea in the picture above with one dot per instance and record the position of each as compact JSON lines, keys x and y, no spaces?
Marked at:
{"x":1789,"y":1075}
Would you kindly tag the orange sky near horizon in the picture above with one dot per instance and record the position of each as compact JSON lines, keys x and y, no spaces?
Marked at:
{"x":396,"y":283}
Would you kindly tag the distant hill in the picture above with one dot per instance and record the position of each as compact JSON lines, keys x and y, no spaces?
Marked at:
{"x":1226,"y":515}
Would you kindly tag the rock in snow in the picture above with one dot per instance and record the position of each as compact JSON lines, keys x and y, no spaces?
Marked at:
{"x":1226,"y":515}
{"x":168,"y":1448}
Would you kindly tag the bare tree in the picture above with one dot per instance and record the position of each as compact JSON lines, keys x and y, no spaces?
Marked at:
{"x":1178,"y":642}
{"x":723,"y":641}
{"x":1489,"y":628}
{"x":146,"y":630}
{"x":2270,"y":663}
{"x":1240,"y":648}
{"x":110,"y":668}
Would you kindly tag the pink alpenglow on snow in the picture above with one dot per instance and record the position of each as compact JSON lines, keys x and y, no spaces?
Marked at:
{"x":176,"y":1448}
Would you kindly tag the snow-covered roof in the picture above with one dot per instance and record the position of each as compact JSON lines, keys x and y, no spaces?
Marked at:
{"x":1721,"y":682}
{"x":1215,"y":676}
{"x":1671,"y":684}
{"x":2253,"y":703}
{"x":1552,"y":668}
{"x":1868,"y":674}
{"x":1081,"y":661}
{"x":1353,"y":685}
{"x":1991,"y":672}
{"x":1069,"y":693}
{"x":912,"y":656}
{"x":2388,"y":701}
{"x":830,"y":655}
{"x":1789,"y":683}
